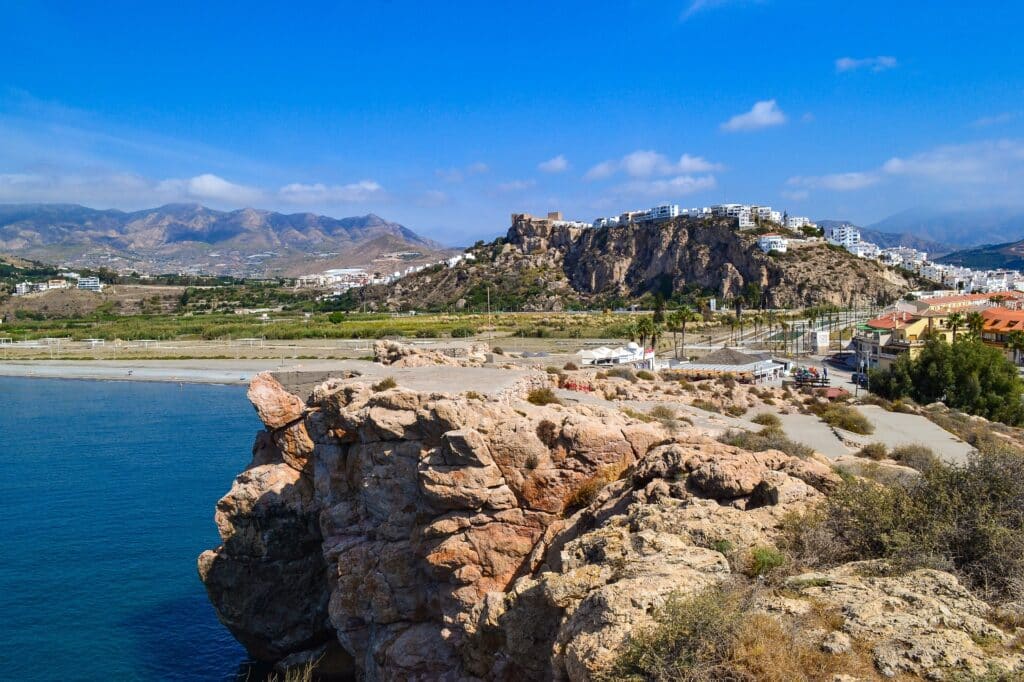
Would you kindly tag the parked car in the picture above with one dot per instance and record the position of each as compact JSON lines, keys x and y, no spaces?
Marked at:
{"x":859,"y":378}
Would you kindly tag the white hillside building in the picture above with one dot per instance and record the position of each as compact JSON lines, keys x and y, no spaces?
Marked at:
{"x":773,"y":242}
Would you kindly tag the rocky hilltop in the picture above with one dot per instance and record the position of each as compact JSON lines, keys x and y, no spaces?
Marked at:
{"x":547,"y":265}
{"x":400,"y":535}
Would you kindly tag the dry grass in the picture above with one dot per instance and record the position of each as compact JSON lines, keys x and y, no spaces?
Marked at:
{"x":587,"y":491}
{"x":715,"y":636}
{"x":385,"y":384}
{"x":542,"y":396}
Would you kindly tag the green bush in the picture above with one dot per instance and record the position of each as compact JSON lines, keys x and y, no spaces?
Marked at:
{"x":967,"y":375}
{"x":969,"y":519}
{"x":645,"y":375}
{"x":462,"y":332}
{"x":764,"y":560}
{"x":767,"y":419}
{"x":543,"y":396}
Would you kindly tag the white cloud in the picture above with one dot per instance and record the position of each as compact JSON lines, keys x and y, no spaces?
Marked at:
{"x":515,"y":185}
{"x":456,"y":175}
{"x":697,"y":164}
{"x":987,"y":162}
{"x":973,"y":173}
{"x":210,"y":187}
{"x":995,"y":119}
{"x":840,"y":182}
{"x":646,"y":163}
{"x":796,"y":194}
{"x":666,"y":188}
{"x":558,"y":164}
{"x":763,"y":114}
{"x":875,"y":64}
{"x":603,"y":170}
{"x":321,"y":194}
{"x":698,"y":6}
{"x":477,"y":168}
{"x":449,"y":174}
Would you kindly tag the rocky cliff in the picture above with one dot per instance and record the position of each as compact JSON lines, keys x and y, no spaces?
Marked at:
{"x":544,"y":265}
{"x":405,"y":535}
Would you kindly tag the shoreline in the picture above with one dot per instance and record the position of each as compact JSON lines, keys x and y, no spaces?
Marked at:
{"x":198,"y":371}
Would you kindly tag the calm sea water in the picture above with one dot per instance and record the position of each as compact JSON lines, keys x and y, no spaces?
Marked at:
{"x":107,"y":494}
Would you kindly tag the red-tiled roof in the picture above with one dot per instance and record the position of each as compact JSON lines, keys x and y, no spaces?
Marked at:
{"x":895,"y":320}
{"x":999,"y":319}
{"x":939,"y":301}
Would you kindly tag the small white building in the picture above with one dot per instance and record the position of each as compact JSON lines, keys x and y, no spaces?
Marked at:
{"x":795,"y":222}
{"x":90,"y":284}
{"x":773,"y":242}
{"x":22,"y":288}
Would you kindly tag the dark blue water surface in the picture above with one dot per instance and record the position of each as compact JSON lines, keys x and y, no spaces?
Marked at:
{"x":107,"y":494}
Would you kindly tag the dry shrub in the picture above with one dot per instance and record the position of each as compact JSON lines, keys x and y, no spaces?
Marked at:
{"x":845,"y":417}
{"x":646,"y":376}
{"x":384,"y":384}
{"x":914,"y":456}
{"x":768,"y":438}
{"x":587,"y":491}
{"x":570,"y":366}
{"x":543,"y":396}
{"x":875,"y":451}
{"x":705,"y":405}
{"x":547,"y":432}
{"x":713,"y":636}
{"x":767,"y":419}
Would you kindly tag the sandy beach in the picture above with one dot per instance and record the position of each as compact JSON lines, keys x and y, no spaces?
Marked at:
{"x":487,"y":380}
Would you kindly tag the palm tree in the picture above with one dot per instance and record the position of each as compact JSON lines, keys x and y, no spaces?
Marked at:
{"x":1015,"y":342}
{"x":954,"y":321}
{"x":644,"y":329}
{"x":975,"y":322}
{"x":677,"y":321}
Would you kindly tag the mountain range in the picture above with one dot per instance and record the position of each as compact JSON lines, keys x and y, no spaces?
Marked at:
{"x":192,"y":237}
{"x":960,"y":228}
{"x":891,"y":239}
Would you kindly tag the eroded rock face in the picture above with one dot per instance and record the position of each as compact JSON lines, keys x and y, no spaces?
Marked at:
{"x":431,"y":537}
{"x":599,"y":574}
{"x":923,"y":623}
{"x":401,"y":511}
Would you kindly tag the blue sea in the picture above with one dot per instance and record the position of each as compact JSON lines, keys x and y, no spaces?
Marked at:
{"x":107,"y":494}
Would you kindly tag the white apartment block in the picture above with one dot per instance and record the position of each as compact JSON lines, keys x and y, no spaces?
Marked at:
{"x":22,"y":288}
{"x":795,"y":222}
{"x":864,"y":250}
{"x":842,"y":235}
{"x":773,"y":242}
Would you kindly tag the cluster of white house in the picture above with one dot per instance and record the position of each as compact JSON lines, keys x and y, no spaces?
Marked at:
{"x":956,"y":277}
{"x":83,"y":283}
{"x":343,"y":279}
{"x":747,"y":215}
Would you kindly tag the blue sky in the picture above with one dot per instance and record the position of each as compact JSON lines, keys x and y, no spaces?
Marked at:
{"x":448,"y":117}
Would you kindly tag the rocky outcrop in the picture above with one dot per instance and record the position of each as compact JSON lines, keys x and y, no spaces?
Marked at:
{"x":405,"y":355}
{"x":422,"y":536}
{"x":392,"y":514}
{"x":547,"y":265}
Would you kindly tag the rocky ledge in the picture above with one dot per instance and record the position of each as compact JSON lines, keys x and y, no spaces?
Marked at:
{"x":408,"y":535}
